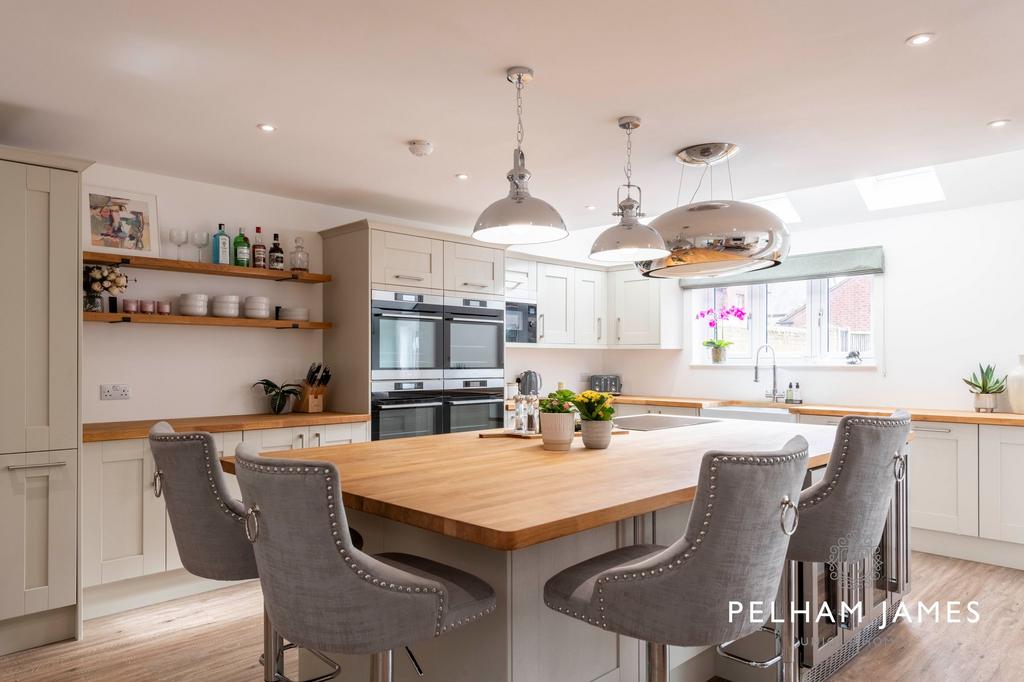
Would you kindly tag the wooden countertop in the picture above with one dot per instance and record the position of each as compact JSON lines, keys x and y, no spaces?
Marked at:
{"x":102,"y":431}
{"x":509,"y":493}
{"x":921,"y":415}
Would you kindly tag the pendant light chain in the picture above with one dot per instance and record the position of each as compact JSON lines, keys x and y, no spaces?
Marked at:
{"x":520,"y":132}
{"x":629,"y":159}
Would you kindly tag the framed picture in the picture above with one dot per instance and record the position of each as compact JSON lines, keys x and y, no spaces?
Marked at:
{"x":120,"y":222}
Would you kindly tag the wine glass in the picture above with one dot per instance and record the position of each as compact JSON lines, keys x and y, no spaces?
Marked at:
{"x":179,"y":238}
{"x":200,"y":240}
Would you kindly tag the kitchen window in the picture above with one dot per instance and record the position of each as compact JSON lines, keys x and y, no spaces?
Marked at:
{"x":808,"y":321}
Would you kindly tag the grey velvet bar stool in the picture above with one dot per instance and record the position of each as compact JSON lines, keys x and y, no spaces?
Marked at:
{"x":733,"y":549}
{"x":321,"y":591}
{"x":208,"y":524}
{"x":842,"y":517}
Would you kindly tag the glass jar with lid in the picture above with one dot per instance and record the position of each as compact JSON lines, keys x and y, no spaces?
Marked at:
{"x":299,"y":258}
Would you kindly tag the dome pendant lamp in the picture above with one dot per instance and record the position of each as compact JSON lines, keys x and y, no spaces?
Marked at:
{"x":716,"y":237}
{"x":630,"y":240}
{"x":519,"y":218}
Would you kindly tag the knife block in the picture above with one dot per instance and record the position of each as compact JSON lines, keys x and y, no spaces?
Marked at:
{"x":311,"y":399}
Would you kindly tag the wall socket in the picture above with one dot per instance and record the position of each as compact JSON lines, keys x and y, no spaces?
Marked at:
{"x":115,"y":392}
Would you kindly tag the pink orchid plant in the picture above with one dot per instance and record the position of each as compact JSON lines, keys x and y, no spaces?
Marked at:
{"x":714,"y":317}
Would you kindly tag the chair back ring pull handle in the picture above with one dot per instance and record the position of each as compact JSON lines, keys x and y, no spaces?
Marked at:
{"x":899,"y":466}
{"x":783,"y":508}
{"x":158,"y":483}
{"x":252,"y":530}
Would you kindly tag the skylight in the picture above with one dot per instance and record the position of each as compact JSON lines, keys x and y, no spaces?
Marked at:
{"x":780,"y":205}
{"x":906,"y":188}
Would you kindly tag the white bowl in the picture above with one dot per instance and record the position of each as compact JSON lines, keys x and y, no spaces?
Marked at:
{"x":258,"y":313}
{"x":293,"y":314}
{"x":193,"y":298}
{"x":192,"y":310}
{"x":226,"y":298}
{"x":261,"y":301}
{"x":225,"y":312}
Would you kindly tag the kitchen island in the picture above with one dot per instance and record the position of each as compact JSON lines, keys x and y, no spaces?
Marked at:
{"x":515,"y":514}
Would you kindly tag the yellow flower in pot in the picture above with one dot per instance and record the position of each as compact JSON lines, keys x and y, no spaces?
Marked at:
{"x":596,"y":411}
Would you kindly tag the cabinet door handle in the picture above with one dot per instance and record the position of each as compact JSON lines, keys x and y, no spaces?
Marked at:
{"x":599,"y":329}
{"x":618,"y":328}
{"x":302,"y":440}
{"x":475,"y":284}
{"x":930,"y":429}
{"x":540,"y":319}
{"x":318,"y":441}
{"x":411,"y":278}
{"x":46,"y":465}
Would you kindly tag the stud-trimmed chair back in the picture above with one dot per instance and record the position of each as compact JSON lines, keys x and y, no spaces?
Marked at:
{"x":207,"y":522}
{"x":842,"y":516}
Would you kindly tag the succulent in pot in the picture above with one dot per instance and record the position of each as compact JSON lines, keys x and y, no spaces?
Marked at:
{"x":278,"y":394}
{"x":985,"y":386}
{"x":558,"y":420}
{"x":596,"y":411}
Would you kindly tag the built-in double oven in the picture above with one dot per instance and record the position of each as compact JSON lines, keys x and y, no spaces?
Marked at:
{"x":437,"y":364}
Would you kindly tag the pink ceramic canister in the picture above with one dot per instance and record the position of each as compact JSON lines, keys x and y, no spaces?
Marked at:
{"x":163,"y":307}
{"x":130,"y":305}
{"x":147,"y":307}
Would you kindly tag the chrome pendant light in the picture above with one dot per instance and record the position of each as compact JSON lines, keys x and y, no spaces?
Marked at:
{"x":630,"y":240}
{"x":519,"y":218}
{"x":716,"y":237}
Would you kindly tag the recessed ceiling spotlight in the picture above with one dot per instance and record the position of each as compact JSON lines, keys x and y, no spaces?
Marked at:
{"x":462,"y":176}
{"x":919,"y":39}
{"x":999,"y":123}
{"x":267,"y":127}
{"x":590,"y":207}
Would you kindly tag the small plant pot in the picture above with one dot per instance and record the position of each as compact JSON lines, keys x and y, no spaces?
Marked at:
{"x":557,"y":430}
{"x":984,"y":402}
{"x":92,"y":303}
{"x":718,"y":355}
{"x":597,"y":434}
{"x":278,"y":403}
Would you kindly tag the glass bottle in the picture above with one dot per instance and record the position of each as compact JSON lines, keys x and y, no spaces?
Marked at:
{"x":299,"y":257}
{"x":221,"y":246}
{"x":276,"y":254}
{"x":259,"y":250}
{"x":243,"y":256}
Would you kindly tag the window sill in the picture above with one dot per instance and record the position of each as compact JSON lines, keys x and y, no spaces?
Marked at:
{"x":784,"y":364}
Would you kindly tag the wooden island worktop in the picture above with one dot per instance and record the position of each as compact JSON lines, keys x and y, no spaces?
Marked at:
{"x":509,"y":493}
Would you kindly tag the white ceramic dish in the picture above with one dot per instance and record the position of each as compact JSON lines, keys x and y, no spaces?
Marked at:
{"x":261,"y":301}
{"x":257,"y":314}
{"x":225,"y":312}
{"x":192,"y":310}
{"x":226,"y":298}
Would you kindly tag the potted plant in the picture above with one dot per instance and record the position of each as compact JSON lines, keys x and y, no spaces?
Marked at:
{"x":558,"y":419}
{"x":714,"y":318}
{"x":596,"y":413}
{"x":985,"y":388}
{"x":278,"y":394}
{"x":98,"y":280}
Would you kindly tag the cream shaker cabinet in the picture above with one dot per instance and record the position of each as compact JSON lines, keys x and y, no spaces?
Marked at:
{"x":521,"y":280}
{"x":555,"y":304}
{"x":42,"y":296}
{"x":37,"y":531}
{"x":943,"y":476}
{"x":590,"y":306}
{"x":473,"y":269}
{"x":635,"y":309}
{"x":271,"y":440}
{"x":123,"y":522}
{"x":398,"y":260}
{"x":1001,"y":480}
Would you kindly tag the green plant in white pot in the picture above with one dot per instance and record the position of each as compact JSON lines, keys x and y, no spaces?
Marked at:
{"x":596,"y":413}
{"x":985,"y":387}
{"x":558,"y":419}
{"x":278,"y":395}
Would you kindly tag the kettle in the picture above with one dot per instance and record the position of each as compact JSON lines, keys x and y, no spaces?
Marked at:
{"x":529,"y":382}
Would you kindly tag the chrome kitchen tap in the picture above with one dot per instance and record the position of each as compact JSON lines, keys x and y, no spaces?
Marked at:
{"x":774,"y":394}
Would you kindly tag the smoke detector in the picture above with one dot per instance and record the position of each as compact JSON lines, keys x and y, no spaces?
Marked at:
{"x":420,"y":147}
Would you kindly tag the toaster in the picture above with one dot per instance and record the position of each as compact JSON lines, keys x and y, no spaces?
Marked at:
{"x":606,"y":383}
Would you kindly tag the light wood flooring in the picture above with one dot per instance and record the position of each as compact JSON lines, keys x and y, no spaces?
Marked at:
{"x":218,"y":636}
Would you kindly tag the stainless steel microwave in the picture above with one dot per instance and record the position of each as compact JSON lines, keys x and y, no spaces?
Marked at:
{"x":520,"y":322}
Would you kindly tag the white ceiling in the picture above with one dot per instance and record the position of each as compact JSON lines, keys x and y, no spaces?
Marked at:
{"x":814,"y":92}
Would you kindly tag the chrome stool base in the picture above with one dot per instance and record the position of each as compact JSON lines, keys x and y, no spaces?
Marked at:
{"x":657,"y":662}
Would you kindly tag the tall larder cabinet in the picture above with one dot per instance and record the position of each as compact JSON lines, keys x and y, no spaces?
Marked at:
{"x":40,"y":198}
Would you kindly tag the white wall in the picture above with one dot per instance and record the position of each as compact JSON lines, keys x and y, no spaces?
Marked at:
{"x":954,"y":297}
{"x":196,"y":371}
{"x":566,"y":366}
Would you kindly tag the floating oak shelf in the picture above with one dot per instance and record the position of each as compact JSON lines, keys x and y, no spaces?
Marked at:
{"x":136,"y":318}
{"x":169,"y":264}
